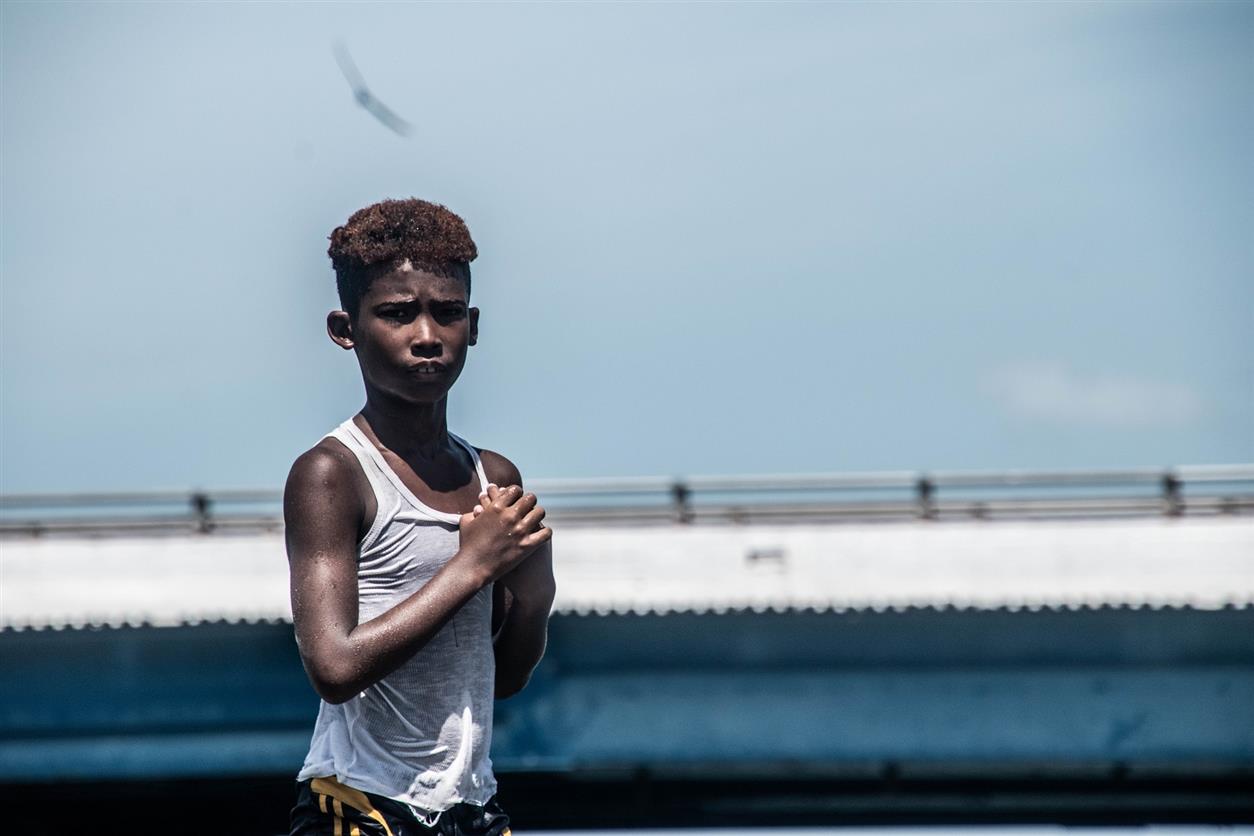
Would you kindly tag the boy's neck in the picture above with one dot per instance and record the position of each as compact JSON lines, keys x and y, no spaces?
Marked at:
{"x":408,"y":429}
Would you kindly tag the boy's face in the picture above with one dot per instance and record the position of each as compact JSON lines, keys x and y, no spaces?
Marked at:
{"x":411,"y":333}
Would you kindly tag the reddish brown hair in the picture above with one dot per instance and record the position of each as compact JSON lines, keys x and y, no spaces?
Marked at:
{"x":381,"y":236}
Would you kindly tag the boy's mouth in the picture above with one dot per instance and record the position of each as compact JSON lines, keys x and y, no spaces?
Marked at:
{"x":427,"y":369}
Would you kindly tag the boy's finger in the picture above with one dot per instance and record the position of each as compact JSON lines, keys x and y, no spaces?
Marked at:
{"x":531,"y":522}
{"x":509,"y":495}
{"x":525,"y":503}
{"x":536,"y":538}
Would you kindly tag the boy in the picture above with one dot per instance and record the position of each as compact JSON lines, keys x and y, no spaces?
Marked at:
{"x":420,"y":589}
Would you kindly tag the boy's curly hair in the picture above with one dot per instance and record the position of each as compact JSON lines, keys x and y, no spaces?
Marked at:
{"x":387,"y":233}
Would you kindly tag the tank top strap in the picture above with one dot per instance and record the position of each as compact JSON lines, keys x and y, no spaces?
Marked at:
{"x":385,"y":496}
{"x":345,"y":435}
{"x":474,"y":455}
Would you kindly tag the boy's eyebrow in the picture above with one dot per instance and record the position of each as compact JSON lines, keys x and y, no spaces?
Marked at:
{"x":413,"y":300}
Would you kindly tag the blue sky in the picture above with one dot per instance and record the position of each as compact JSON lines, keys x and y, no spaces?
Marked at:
{"x":715,"y":238}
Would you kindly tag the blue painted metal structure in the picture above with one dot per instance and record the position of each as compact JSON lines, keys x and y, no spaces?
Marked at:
{"x":926,"y":692}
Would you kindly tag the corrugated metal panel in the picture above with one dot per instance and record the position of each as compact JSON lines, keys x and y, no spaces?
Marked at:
{"x":1154,"y":562}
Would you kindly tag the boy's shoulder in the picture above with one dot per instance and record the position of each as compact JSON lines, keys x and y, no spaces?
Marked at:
{"x":328,"y":459}
{"x":499,"y":470}
{"x":326,"y":475}
{"x":329,"y":465}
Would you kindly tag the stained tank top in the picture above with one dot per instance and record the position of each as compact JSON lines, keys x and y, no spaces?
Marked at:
{"x":421,"y":734}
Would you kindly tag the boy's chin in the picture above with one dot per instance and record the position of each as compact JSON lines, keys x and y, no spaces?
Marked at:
{"x":436,"y":391}
{"x":428,"y":395}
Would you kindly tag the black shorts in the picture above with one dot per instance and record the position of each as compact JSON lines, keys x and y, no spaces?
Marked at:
{"x":325,"y":807}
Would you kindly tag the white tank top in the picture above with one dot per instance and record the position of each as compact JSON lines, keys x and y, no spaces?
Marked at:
{"x":421,"y":734}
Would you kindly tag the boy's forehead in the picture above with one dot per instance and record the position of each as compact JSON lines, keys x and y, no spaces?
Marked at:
{"x":406,"y":279}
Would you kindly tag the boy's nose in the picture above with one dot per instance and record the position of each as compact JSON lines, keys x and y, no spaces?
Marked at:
{"x":425,"y":340}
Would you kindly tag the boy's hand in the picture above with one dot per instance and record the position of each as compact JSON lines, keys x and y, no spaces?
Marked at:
{"x":533,"y":578}
{"x":502,"y":530}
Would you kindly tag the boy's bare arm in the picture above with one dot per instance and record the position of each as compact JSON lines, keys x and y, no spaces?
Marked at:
{"x":324,"y":509}
{"x":519,"y":645}
{"x":523,"y":600}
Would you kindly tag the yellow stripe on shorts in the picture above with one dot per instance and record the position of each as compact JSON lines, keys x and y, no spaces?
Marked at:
{"x":353,"y":798}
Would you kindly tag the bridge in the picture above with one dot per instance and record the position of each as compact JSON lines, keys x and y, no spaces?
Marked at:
{"x":780,"y":649}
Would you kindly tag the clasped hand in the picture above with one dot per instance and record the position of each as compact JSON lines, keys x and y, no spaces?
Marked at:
{"x":503,"y":530}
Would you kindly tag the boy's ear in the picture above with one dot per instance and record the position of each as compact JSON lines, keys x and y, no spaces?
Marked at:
{"x":340,"y":329}
{"x":474,"y":325}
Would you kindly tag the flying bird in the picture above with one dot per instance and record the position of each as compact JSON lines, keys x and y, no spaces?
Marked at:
{"x":364,"y":97}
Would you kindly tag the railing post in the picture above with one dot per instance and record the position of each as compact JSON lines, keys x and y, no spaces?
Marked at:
{"x":1173,"y":502}
{"x":925,"y":489}
{"x":680,"y":493}
{"x":201,"y":509}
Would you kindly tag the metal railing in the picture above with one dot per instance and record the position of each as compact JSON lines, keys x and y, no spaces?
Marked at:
{"x":900,"y":495}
